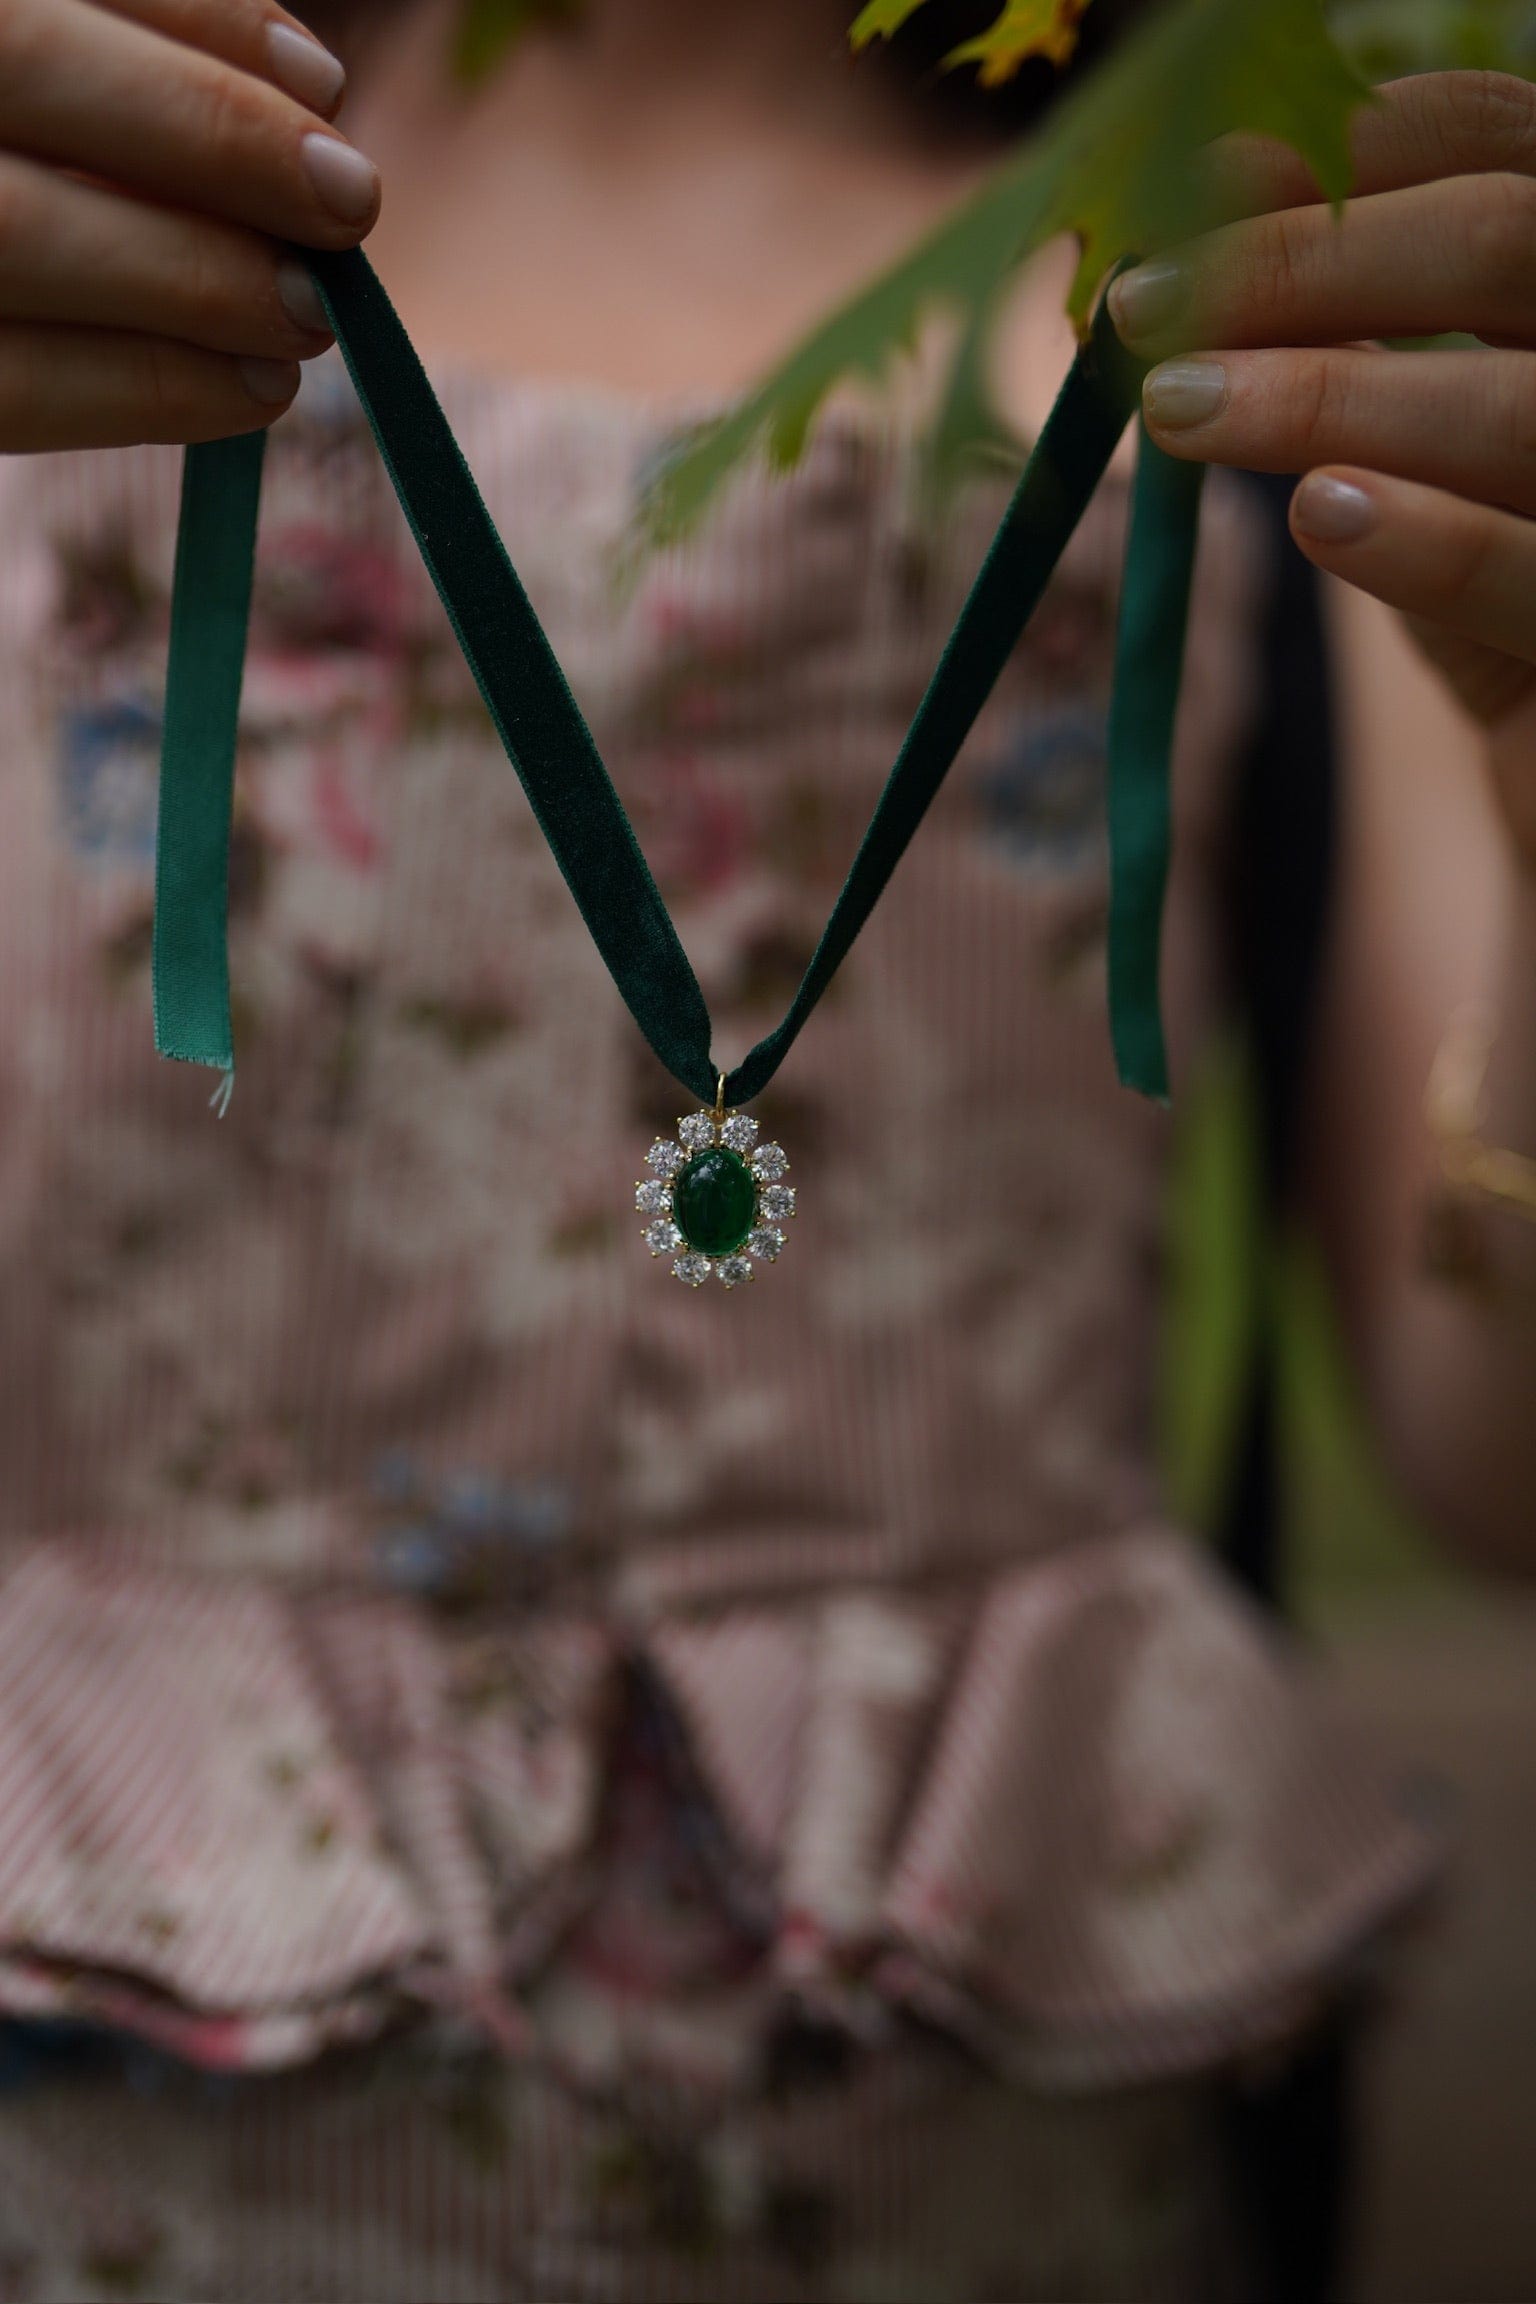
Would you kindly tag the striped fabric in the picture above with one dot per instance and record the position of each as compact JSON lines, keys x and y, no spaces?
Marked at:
{"x":556,"y":1786}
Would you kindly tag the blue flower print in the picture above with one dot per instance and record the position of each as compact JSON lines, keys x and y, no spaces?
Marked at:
{"x":109,"y":764}
{"x":1041,"y":798}
{"x":469,"y":1535}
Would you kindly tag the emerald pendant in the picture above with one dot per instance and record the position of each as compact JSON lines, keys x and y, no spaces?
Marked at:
{"x":714,"y":1198}
{"x":714,"y":1201}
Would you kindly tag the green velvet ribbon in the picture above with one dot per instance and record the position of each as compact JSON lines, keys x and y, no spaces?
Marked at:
{"x":1149,"y":658}
{"x":547,"y":739}
{"x":210,"y":613}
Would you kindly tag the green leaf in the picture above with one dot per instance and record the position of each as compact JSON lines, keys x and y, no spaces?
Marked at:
{"x":879,"y":20}
{"x":1214,"y":1299}
{"x":1116,"y":164}
{"x":1231,"y":1279}
{"x":1025,"y":28}
{"x":1351,"y":1540}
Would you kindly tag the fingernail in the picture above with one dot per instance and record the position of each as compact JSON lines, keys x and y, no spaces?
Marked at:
{"x":1184,"y":392}
{"x":300,"y":299}
{"x":272,"y":382}
{"x":1142,"y":301}
{"x":1334,"y":511}
{"x":346,"y":182}
{"x":304,"y":68}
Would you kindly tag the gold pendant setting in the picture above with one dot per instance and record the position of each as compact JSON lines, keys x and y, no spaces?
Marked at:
{"x":715,"y":1198}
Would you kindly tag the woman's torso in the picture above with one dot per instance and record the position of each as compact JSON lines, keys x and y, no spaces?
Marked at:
{"x":415,"y":1236}
{"x":500,"y":1624}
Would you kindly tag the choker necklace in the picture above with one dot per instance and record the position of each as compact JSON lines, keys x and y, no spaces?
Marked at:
{"x":714,"y":1199}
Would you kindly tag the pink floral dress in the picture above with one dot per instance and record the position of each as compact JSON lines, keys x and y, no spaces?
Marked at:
{"x":554,"y":1785}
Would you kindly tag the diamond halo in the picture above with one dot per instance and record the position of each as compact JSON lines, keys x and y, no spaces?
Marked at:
{"x":714,"y":1198}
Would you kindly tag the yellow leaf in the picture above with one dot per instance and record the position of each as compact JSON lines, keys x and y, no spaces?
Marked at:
{"x":879,"y":20}
{"x":1025,"y":28}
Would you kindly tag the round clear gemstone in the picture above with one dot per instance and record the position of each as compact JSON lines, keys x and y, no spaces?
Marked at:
{"x":693,"y":1269}
{"x":732,"y":1270}
{"x":739,"y":1132}
{"x":768,"y":1161}
{"x":776,"y":1201}
{"x":764,"y":1243}
{"x":654,"y":1198}
{"x":697,"y":1130}
{"x":662,"y":1235}
{"x":664,"y":1157}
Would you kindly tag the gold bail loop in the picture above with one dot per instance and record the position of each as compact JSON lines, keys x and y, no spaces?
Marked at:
{"x":719,"y":1098}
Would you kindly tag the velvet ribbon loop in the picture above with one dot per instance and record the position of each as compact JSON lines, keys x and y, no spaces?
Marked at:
{"x":552,"y":750}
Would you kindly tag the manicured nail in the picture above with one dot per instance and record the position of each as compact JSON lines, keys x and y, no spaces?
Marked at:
{"x":346,"y":182}
{"x":304,"y":68}
{"x":1334,"y":511}
{"x":272,"y":382}
{"x":300,"y":299}
{"x":1143,"y":301}
{"x":1184,"y":392}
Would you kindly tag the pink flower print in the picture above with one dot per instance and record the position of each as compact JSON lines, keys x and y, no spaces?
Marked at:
{"x":667,"y":614}
{"x":697,"y":833}
{"x":690,"y":628}
{"x":345,"y":831}
{"x":318,"y":589}
{"x":293,"y":687}
{"x":318,"y":799}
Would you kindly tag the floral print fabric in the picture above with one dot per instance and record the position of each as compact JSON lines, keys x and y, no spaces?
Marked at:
{"x":427,"y":1631}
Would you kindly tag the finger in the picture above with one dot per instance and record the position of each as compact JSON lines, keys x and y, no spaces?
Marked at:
{"x":1458,"y":254}
{"x":90,"y":90}
{"x":71,"y":251}
{"x":1433,"y":555}
{"x":252,"y":34}
{"x":93,"y":388}
{"x":1460,"y":420}
{"x":1435,"y":124}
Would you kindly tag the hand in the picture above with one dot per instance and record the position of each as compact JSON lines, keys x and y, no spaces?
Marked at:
{"x":1420,"y":467}
{"x":152,"y":155}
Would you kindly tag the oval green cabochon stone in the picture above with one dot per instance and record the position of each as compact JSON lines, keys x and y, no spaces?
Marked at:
{"x":714,"y":1201}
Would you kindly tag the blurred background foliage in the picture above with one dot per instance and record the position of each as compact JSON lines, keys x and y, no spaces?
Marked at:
{"x":1348,"y":1543}
{"x":1382,"y":37}
{"x":1113,"y":163}
{"x":1386,"y":38}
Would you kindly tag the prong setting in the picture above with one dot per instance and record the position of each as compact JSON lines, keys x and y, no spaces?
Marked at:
{"x":714,"y":1199}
